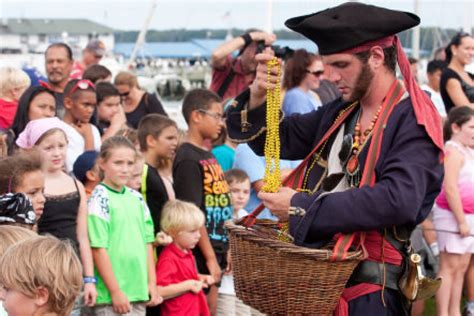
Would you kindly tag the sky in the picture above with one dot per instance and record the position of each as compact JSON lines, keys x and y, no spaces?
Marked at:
{"x":196,"y":14}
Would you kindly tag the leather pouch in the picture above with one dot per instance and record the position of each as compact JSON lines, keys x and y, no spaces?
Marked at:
{"x":413,"y":283}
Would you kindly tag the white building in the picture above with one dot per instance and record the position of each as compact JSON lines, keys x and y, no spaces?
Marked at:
{"x":34,"y":35}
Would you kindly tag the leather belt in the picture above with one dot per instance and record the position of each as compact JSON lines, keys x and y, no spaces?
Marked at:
{"x":373,"y":273}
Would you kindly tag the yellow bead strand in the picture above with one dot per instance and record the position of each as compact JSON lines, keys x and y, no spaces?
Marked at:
{"x":272,"y":176}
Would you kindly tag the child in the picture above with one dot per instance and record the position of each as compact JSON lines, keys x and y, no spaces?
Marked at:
{"x":135,"y":180}
{"x":158,"y":138}
{"x":121,"y":235}
{"x":13,"y":82}
{"x":224,"y":150}
{"x":454,"y":211}
{"x":110,"y":113}
{"x":228,"y":303}
{"x":41,"y":276}
{"x":65,"y":211}
{"x":176,"y":273}
{"x":79,"y":104}
{"x":16,"y":209}
{"x":10,"y":235}
{"x":198,"y":178}
{"x":239,"y":184}
{"x":86,"y":170}
{"x":22,"y":173}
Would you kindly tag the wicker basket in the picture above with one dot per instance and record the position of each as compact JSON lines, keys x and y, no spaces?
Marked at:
{"x":280,"y":278}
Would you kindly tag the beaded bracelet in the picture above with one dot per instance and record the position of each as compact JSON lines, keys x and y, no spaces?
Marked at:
{"x":89,"y":279}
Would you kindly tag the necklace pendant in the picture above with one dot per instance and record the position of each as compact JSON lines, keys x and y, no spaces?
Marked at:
{"x":352,"y":165}
{"x":352,"y":171}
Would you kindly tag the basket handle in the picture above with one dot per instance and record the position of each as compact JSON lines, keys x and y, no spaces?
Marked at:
{"x":250,"y":220}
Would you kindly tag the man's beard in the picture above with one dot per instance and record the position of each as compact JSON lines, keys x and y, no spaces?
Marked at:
{"x":362,"y":83}
{"x":55,"y":79}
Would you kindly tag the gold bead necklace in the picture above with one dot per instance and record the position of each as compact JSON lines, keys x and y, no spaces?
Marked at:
{"x":272,"y":176}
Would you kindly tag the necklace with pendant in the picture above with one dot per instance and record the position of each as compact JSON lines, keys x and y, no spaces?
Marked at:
{"x":352,"y":168}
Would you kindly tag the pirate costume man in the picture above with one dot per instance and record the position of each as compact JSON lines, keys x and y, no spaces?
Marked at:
{"x":376,"y":184}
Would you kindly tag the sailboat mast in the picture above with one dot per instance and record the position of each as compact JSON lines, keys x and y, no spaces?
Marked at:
{"x":415,"y":40}
{"x":467,"y":14}
{"x":141,"y":36}
{"x":268,"y":26}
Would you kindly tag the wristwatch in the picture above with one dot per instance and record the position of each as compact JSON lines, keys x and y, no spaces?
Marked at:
{"x":247,"y":39}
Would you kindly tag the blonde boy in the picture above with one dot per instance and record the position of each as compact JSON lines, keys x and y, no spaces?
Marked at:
{"x":176,"y":273}
{"x":40,"y":275}
{"x":10,"y":235}
{"x":13,"y":82}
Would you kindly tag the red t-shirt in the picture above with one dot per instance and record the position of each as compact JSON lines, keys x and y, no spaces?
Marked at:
{"x":77,"y":70}
{"x":238,"y":84}
{"x":7,"y":113}
{"x":175,"y":266}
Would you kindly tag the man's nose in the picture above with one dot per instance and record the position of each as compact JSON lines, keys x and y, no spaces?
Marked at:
{"x":334,"y":76}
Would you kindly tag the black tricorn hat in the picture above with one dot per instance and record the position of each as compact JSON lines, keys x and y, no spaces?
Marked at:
{"x":351,"y":24}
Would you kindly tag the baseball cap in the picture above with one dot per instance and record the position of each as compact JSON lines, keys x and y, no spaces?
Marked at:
{"x":97,"y":47}
{"x":84,"y":163}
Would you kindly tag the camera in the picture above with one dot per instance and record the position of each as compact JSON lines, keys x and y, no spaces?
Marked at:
{"x":283,"y":52}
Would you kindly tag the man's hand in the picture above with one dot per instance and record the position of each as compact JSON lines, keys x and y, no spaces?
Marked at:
{"x":120,"y":303}
{"x":214,"y":269}
{"x":155,"y":297}
{"x":258,"y":88}
{"x":278,"y":203}
{"x":268,"y":38}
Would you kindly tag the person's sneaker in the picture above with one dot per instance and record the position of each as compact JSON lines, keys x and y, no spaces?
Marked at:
{"x":467,"y":312}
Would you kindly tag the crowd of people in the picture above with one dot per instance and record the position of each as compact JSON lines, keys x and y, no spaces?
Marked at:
{"x":108,"y":208}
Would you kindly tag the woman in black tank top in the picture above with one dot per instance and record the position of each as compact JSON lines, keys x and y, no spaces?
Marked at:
{"x":457,"y":85}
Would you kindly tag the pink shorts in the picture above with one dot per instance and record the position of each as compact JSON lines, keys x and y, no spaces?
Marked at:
{"x":448,"y":242}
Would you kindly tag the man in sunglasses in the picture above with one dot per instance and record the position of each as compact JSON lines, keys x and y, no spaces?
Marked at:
{"x":372,"y":168}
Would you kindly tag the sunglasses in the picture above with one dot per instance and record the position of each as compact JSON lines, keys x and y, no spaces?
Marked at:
{"x":317,"y":73}
{"x":125,"y":94}
{"x":216,"y":116}
{"x":83,"y":84}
